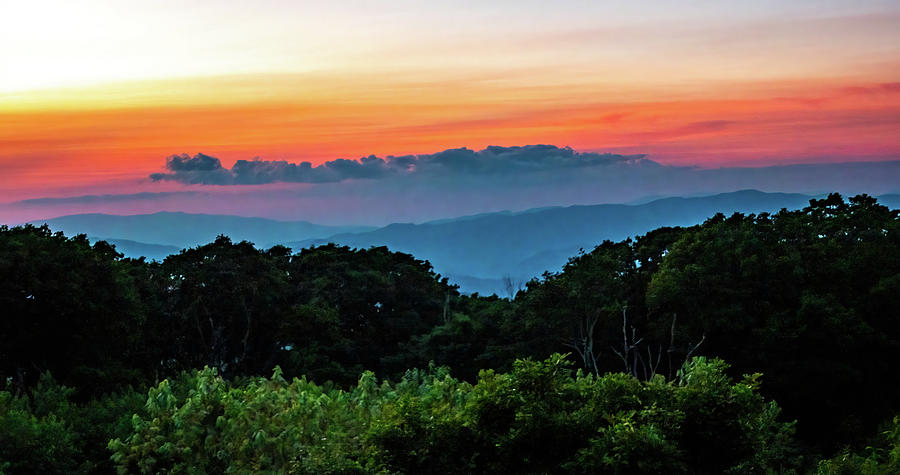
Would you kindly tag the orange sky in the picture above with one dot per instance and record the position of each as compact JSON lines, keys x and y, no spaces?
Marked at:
{"x":745,"y":84}
{"x":78,"y":145}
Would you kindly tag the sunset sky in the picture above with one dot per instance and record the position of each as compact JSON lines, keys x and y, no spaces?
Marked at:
{"x":94,"y":95}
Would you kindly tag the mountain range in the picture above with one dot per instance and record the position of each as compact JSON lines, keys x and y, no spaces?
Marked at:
{"x":485,"y":253}
{"x":182,"y":230}
{"x":491,"y":252}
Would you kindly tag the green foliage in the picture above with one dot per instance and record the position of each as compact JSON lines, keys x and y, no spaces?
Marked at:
{"x":33,"y":437}
{"x":880,"y":458}
{"x":98,"y":421}
{"x":540,"y":417}
{"x":202,"y":424}
{"x":49,"y":433}
{"x":809,"y":298}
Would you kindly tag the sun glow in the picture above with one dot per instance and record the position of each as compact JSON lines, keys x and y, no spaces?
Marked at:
{"x":121,"y":85}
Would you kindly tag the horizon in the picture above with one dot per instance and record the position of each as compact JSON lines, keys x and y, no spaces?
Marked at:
{"x":637,"y":202}
{"x":480,"y":253}
{"x":443,"y":185}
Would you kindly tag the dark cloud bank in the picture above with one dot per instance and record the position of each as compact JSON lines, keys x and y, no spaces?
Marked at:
{"x":494,"y":160}
{"x":456,"y":182}
{"x":378,"y":191}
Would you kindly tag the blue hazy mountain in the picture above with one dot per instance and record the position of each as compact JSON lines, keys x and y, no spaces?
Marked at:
{"x":188,"y":230}
{"x":495,"y":251}
{"x":891,"y":201}
{"x":487,"y":253}
{"x":153,"y":252}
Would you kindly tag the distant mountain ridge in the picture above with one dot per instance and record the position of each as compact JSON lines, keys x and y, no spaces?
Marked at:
{"x":505,"y":246}
{"x":486,"y":253}
{"x":183,"y":230}
{"x":153,"y":252}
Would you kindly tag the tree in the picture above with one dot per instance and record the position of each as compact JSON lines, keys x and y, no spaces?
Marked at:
{"x":224,"y":305}
{"x":375,"y":301}
{"x":69,"y":308}
{"x":802,"y":296}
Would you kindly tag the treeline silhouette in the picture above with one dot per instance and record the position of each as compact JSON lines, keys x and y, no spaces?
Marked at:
{"x":807,"y":298}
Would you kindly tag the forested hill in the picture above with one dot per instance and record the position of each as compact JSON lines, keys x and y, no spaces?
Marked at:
{"x":486,"y":253}
{"x":526,"y":244}
{"x":104,"y":356}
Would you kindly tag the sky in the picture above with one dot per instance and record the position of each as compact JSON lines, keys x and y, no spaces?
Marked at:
{"x":99,"y":100}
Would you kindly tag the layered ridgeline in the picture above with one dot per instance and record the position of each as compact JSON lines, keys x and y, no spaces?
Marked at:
{"x":487,"y":253}
{"x":802,"y":302}
{"x":157,"y":235}
{"x":499,"y":252}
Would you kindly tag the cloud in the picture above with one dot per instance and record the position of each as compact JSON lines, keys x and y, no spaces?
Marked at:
{"x":379,"y":191}
{"x":201,"y":169}
{"x":494,"y":160}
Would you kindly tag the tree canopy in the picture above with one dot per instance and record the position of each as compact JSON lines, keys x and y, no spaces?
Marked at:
{"x":807,"y":298}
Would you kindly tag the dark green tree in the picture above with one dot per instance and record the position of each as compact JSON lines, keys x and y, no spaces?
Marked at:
{"x":807,"y":297}
{"x":69,"y":308}
{"x":225,"y":303}
{"x":369,"y":304}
